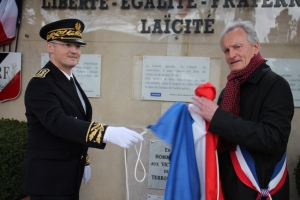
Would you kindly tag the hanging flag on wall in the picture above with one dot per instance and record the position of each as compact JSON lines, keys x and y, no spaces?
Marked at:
{"x":10,"y":76}
{"x":8,"y":21}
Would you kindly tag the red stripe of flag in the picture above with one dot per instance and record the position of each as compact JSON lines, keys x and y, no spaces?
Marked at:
{"x":12,"y":89}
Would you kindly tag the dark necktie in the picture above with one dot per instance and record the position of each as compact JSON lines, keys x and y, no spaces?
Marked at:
{"x":77,"y":92}
{"x":73,"y":82}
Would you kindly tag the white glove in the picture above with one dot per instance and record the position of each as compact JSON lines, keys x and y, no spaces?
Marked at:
{"x":87,"y":174}
{"x":121,"y":136}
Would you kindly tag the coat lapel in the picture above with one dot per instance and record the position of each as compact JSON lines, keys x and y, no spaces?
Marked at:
{"x":62,"y":81}
{"x":86,"y":100}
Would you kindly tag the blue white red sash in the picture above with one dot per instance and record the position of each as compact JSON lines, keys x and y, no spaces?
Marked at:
{"x":244,"y":167}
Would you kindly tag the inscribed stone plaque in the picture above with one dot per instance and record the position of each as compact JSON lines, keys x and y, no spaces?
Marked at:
{"x":158,"y":164}
{"x":173,"y":78}
{"x":87,"y":72}
{"x":290,"y":70}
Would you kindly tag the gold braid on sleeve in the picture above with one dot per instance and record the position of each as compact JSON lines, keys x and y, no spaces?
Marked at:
{"x":95,"y":132}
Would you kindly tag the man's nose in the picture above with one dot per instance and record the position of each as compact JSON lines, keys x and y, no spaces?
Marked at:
{"x":73,"y":47}
{"x":232,"y":53}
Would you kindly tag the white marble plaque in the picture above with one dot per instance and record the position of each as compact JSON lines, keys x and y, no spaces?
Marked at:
{"x":87,"y":72}
{"x":290,"y":70}
{"x":173,"y":78}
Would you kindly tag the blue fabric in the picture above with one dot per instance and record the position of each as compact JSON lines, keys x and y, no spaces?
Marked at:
{"x":175,"y":128}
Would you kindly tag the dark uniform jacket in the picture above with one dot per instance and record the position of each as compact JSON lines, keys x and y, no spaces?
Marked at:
{"x":59,"y":134}
{"x":263,"y":128}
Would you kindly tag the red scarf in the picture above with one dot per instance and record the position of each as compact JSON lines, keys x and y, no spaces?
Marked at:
{"x":231,"y":98}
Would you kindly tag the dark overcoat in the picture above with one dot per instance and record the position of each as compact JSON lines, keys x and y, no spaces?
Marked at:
{"x":263,"y":128}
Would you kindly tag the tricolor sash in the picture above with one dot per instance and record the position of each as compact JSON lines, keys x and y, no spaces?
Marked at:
{"x":244,"y":167}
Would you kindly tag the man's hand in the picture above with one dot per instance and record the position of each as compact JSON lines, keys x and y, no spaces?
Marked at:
{"x":121,"y":136}
{"x":207,"y":108}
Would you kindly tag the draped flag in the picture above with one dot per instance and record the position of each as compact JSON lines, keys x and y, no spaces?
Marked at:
{"x":193,"y":172}
{"x":10,"y":76}
{"x":175,"y":128}
{"x":208,"y":150}
{"x":244,"y":167}
{"x":8,"y":21}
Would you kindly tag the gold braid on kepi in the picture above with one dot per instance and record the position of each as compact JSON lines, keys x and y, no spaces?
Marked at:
{"x":67,"y":30}
{"x":95,"y":132}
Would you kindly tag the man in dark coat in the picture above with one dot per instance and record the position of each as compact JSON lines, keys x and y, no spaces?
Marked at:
{"x":253,"y":120}
{"x":59,"y":118}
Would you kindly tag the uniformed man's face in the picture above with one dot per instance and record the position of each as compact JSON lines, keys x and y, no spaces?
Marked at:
{"x":237,"y":49}
{"x":64,"y":55}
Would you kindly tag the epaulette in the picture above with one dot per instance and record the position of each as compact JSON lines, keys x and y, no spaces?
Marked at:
{"x":42,"y":73}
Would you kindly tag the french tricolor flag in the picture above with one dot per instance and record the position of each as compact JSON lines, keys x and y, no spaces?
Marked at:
{"x":8,"y":21}
{"x":193,"y":172}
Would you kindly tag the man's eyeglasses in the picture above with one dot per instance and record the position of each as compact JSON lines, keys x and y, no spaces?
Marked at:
{"x":69,"y":46}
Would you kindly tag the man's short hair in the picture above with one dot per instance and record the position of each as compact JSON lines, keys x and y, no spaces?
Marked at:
{"x":247,"y":26}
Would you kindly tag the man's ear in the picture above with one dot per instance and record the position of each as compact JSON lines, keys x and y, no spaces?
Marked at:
{"x":256,"y":48}
{"x":50,"y":47}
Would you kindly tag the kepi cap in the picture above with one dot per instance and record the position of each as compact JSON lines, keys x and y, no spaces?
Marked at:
{"x":67,"y":30}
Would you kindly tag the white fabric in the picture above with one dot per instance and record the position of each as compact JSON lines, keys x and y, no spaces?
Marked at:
{"x":3,"y":4}
{"x":8,"y":18}
{"x":121,"y":136}
{"x":199,"y":132}
{"x":87,"y":174}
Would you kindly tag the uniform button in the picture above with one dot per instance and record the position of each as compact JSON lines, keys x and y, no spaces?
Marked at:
{"x":81,"y":157}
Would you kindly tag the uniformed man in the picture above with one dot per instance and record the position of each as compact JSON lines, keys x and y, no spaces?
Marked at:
{"x":59,"y":117}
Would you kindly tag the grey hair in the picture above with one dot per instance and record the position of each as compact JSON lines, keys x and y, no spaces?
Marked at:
{"x":247,"y":26}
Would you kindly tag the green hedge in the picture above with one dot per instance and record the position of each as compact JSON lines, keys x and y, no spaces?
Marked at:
{"x":297,"y":176}
{"x":13,"y":137}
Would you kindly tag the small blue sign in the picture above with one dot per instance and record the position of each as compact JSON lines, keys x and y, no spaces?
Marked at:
{"x":155,"y":94}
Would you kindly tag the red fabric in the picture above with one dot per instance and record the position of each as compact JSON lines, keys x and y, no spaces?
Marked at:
{"x":231,"y":98}
{"x":207,"y":90}
{"x":239,"y":172}
{"x":211,"y":168}
{"x":4,"y":39}
{"x":280,"y":184}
